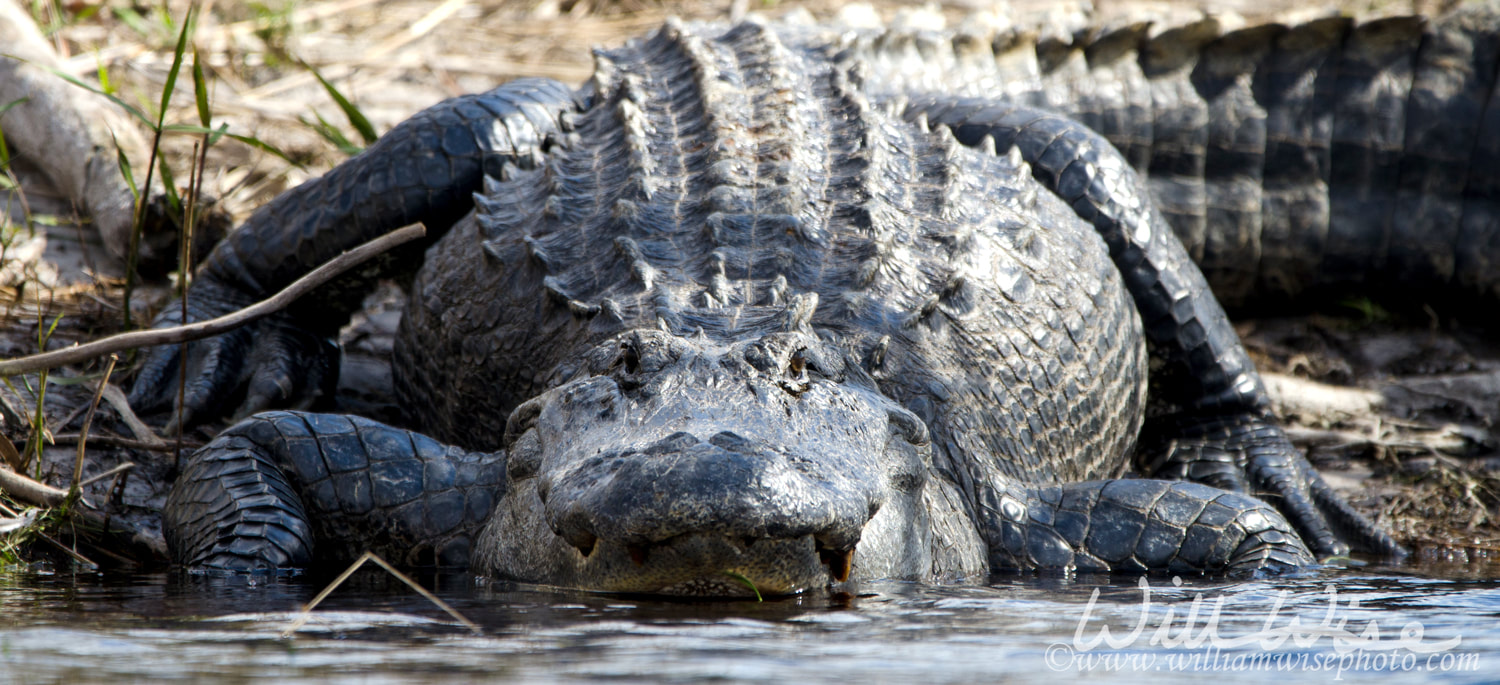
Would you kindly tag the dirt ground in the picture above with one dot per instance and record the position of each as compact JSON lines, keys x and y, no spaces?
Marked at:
{"x":1397,"y":411}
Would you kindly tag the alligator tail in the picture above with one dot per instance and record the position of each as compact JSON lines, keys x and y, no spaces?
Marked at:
{"x":1289,"y":160}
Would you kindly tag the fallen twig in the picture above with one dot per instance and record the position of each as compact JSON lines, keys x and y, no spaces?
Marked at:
{"x":28,"y":491}
{"x":371,"y":556}
{"x":215,"y":326}
{"x":121,"y":468}
{"x":143,"y":433}
{"x":88,"y":420}
{"x":127,"y":443}
{"x":32,"y":516}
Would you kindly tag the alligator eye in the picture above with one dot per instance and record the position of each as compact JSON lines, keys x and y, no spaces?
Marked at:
{"x":631,"y":358}
{"x":796,"y":367}
{"x":796,"y":373}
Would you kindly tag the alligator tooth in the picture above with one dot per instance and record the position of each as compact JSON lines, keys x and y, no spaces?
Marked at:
{"x":584,"y":543}
{"x":637,"y":554}
{"x":839,"y":563}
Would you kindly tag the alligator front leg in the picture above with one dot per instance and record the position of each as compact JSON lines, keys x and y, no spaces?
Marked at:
{"x":425,"y":169}
{"x":1140,"y":525}
{"x":1218,"y":430}
{"x":293,"y":489}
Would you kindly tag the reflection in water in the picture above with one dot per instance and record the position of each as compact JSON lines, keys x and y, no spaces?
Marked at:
{"x":91,"y":628}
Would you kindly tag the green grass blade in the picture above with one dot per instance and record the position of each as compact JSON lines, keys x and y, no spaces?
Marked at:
{"x":102,"y":73}
{"x":745,"y":581}
{"x":332,"y":134}
{"x":200,"y":91}
{"x":4,"y":149}
{"x":222,"y":131}
{"x":125,"y":169}
{"x":356,"y":118}
{"x":169,"y":184}
{"x":86,"y":13}
{"x":131,"y":109}
{"x":48,"y":220}
{"x":42,"y":342}
{"x":182,"y":41}
{"x":131,"y":18}
{"x":10,"y":105}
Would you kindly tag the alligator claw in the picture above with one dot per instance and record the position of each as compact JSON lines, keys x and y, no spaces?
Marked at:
{"x":1248,"y":453}
{"x":271,"y":364}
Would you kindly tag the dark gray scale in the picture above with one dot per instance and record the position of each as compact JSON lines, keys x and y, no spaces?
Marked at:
{"x":1234,"y":164}
{"x":1452,"y":79}
{"x":1204,"y":374}
{"x":1369,"y":129}
{"x":451,"y":147}
{"x":1179,"y":141}
{"x":913,"y":261}
{"x":341,"y":485}
{"x":1477,"y":250}
{"x":1297,"y":85}
{"x":1122,"y":113}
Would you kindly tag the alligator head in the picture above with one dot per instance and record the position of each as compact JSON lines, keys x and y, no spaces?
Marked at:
{"x":688,"y":466}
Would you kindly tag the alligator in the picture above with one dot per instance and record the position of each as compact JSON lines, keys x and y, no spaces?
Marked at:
{"x":779,"y":305}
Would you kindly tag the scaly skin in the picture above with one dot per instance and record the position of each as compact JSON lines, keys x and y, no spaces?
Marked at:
{"x":279,"y":485}
{"x":739,"y":316}
{"x":1206,"y":376}
{"x":1327,"y":158}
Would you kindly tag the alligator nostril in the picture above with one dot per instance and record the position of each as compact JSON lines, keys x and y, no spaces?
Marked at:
{"x":676,"y":442}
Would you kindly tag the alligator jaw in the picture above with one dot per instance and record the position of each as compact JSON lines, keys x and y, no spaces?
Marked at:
{"x":711,"y":565}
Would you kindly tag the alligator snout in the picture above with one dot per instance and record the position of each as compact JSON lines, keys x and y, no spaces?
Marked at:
{"x":726,"y":486}
{"x":673,"y":465}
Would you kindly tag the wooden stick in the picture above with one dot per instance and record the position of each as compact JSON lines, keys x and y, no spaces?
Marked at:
{"x":88,"y":420}
{"x":212,"y":327}
{"x":29,"y":491}
{"x":118,"y":469}
{"x":306,"y":613}
{"x":127,"y":443}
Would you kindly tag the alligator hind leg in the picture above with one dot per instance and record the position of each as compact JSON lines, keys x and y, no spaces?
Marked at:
{"x":1218,"y":429}
{"x":262,"y":492}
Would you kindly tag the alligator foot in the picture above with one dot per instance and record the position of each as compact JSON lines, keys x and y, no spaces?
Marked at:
{"x":276,"y":362}
{"x":1247,"y":453}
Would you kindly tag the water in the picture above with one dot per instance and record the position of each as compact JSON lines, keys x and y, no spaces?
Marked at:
{"x":166,"y":627}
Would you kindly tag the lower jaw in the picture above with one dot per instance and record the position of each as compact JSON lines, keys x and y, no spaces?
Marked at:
{"x":702,"y":565}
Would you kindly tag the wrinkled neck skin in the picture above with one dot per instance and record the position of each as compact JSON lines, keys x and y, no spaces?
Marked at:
{"x":688,"y":466}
